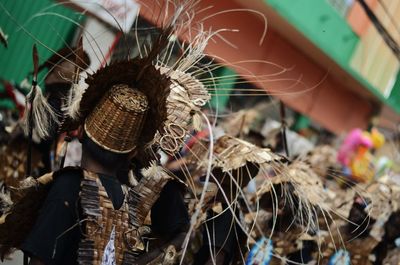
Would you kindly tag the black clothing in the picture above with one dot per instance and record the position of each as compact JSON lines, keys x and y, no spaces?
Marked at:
{"x":44,"y":147}
{"x":61,"y":212}
{"x":169,"y":214}
{"x":223,"y":235}
{"x":113,"y":189}
{"x":58,"y":214}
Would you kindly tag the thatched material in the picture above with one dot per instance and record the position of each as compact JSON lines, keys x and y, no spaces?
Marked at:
{"x":13,"y":162}
{"x":186,"y":98}
{"x":102,"y":220}
{"x":116,"y":122}
{"x":19,"y":221}
{"x":306,"y":185}
{"x":153,"y":84}
{"x":143,"y":196}
{"x":232,"y":153}
{"x":322,"y":159}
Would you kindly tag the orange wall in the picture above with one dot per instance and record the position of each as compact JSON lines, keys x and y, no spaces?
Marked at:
{"x":372,"y":58}
{"x":357,"y":18}
{"x":305,"y":86}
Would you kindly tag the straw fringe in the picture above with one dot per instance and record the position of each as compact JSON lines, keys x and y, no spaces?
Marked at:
{"x":5,"y":202}
{"x":197,"y":122}
{"x":44,"y":116}
{"x":72,"y":109}
{"x":155,"y":172}
{"x":233,"y":153}
{"x":186,"y":98}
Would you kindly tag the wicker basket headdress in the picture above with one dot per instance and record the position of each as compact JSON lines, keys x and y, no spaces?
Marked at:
{"x":174,"y":97}
{"x":116,"y":122}
{"x":164,"y":103}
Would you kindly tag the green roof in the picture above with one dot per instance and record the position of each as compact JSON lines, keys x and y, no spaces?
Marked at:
{"x":328,"y":30}
{"x":32,"y":21}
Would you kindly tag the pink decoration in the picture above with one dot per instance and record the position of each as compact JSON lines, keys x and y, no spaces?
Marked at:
{"x":350,"y":144}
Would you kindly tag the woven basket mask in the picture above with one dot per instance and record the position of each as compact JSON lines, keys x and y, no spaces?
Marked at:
{"x":116,"y":122}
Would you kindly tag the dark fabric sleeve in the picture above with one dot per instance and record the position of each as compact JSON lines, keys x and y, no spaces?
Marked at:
{"x":222,"y":232}
{"x":169,"y":214}
{"x":57,"y":215}
{"x":220,"y":229}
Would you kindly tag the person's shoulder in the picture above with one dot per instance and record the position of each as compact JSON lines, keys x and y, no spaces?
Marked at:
{"x":174,"y":186}
{"x":74,"y":172}
{"x":66,"y":183}
{"x":68,"y":176}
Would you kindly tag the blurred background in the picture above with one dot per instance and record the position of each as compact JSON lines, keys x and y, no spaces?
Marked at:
{"x":335,"y":63}
{"x":328,"y":70}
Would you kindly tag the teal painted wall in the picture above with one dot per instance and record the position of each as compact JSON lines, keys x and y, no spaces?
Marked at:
{"x":49,"y":30}
{"x":6,"y":104}
{"x":223,"y":87}
{"x":394,"y":97}
{"x":329,"y":31}
{"x":322,"y":24}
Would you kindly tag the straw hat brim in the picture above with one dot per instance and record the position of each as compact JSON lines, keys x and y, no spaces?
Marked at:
{"x":152,"y":83}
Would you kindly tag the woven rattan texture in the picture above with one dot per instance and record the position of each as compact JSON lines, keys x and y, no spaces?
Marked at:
{"x":179,"y":115}
{"x":152,"y":83}
{"x":13,"y":162}
{"x":142,"y":198}
{"x":101,"y":219}
{"x":116,"y":122}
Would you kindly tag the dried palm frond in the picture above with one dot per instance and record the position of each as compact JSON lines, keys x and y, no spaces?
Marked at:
{"x":306,"y":182}
{"x":340,"y":199}
{"x":377,"y":202}
{"x":322,"y":158}
{"x":142,"y":197}
{"x":186,"y":97}
{"x":298,"y":189}
{"x":240,"y":122}
{"x":360,"y":249}
{"x":232,"y":153}
{"x":287,"y":242}
{"x":383,"y":196}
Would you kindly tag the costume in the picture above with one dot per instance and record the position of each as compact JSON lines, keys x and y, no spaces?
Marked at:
{"x":71,"y":185}
{"x":235,"y":163}
{"x":130,"y":107}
